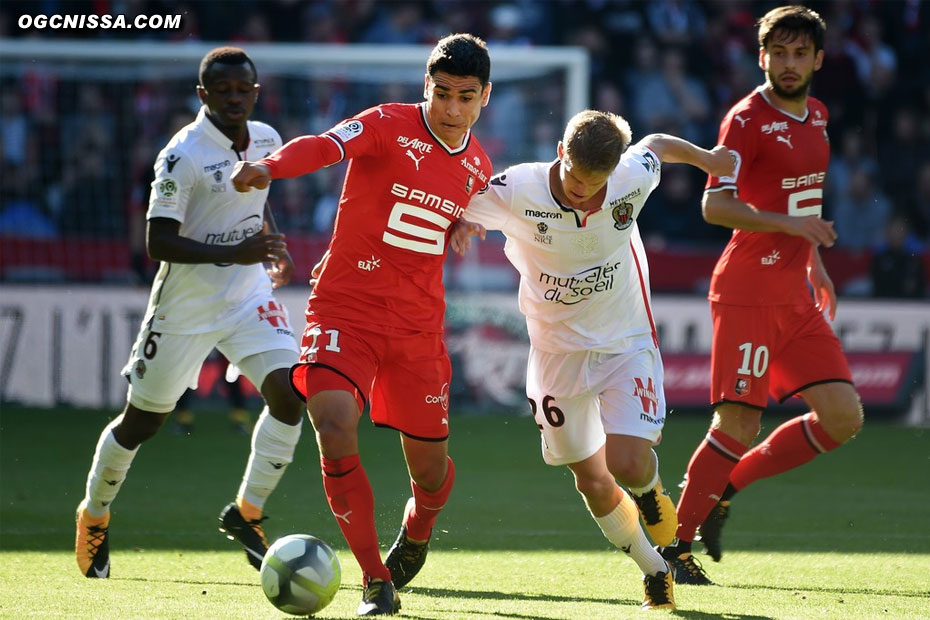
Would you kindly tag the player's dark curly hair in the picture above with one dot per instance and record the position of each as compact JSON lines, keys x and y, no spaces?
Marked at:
{"x":594,"y":141}
{"x":226,"y":55}
{"x":462,"y":55}
{"x":792,"y":22}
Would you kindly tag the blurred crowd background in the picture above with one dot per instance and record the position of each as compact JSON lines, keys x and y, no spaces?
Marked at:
{"x":76,"y":155}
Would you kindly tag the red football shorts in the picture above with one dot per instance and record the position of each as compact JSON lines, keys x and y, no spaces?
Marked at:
{"x":777,"y":350}
{"x":404,"y":375}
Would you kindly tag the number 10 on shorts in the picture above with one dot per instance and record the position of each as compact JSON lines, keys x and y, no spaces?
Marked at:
{"x":759,"y":359}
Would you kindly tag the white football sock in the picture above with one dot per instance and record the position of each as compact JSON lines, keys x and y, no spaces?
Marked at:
{"x":621,"y":527}
{"x":637,"y":491}
{"x":107,"y":471}
{"x":273,"y":445}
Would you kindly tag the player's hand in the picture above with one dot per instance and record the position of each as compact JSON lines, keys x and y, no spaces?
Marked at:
{"x":721,"y":162}
{"x":461,"y":234}
{"x":247,"y":174}
{"x":824,"y":293}
{"x":819,"y":232}
{"x":263,"y":248}
{"x":317,"y":270}
{"x":281,"y":270}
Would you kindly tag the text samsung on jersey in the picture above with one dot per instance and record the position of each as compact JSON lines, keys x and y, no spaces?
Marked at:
{"x":803,"y":180}
{"x":430,"y":200}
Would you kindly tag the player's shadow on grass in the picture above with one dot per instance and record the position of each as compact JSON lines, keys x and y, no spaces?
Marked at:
{"x":510,"y":596}
{"x":701,"y":615}
{"x":189,"y":582}
{"x":827,"y":590}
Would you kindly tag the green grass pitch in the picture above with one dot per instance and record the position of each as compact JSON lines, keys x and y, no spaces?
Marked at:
{"x":846,"y":536}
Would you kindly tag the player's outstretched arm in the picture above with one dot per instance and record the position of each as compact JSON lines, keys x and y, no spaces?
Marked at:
{"x":249,"y":174}
{"x":164,"y":243}
{"x":460,"y":235}
{"x":723,"y":208}
{"x":716,"y":162}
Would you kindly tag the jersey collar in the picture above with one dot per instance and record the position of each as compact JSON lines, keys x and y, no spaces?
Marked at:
{"x":446,"y":147}
{"x":800,"y":119}
{"x":212,"y":131}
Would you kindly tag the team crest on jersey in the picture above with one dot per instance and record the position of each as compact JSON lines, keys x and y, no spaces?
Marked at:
{"x":348,"y":130}
{"x":469,"y":183}
{"x":742,"y":387}
{"x":140,"y":369}
{"x":473,"y":168}
{"x":219,"y":187}
{"x":541,"y":236}
{"x":623,"y":215}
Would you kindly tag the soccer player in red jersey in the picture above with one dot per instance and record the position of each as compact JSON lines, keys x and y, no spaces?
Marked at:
{"x":375,"y":316}
{"x":770,"y":336}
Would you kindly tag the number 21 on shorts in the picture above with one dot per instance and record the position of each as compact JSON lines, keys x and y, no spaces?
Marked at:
{"x":309,"y":352}
{"x":759,"y":360}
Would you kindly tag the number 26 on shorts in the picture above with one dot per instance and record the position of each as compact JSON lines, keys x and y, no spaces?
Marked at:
{"x":553,"y":414}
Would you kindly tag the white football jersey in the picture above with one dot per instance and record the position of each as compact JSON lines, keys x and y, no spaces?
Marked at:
{"x":584,"y":280}
{"x":192,"y":186}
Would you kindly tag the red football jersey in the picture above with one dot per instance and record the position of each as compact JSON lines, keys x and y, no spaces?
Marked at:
{"x":781,"y":165}
{"x":403,"y":189}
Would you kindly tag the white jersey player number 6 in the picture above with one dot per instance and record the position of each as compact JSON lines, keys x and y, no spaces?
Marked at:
{"x":428,"y":240}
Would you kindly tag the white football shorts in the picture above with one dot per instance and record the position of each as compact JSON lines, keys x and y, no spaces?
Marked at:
{"x":162,"y":366}
{"x":580,"y":398}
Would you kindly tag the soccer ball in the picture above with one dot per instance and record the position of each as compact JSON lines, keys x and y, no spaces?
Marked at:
{"x":300,"y":574}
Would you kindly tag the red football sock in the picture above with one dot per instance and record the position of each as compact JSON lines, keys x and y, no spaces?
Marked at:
{"x":426,"y":506}
{"x":353,"y":504}
{"x":792,"y":444}
{"x":708,"y":473}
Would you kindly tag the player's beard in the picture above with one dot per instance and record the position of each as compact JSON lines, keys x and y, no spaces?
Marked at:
{"x":800,"y":91}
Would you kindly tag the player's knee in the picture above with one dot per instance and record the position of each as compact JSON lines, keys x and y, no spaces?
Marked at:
{"x":630,"y":470}
{"x":595,"y":489}
{"x":335,"y":428}
{"x":137,"y":426}
{"x":429,"y":475}
{"x":842,"y":421}
{"x":285,"y":407}
{"x":740,"y":423}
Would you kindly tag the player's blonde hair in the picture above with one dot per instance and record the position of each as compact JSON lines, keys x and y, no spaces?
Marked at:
{"x":594,"y":141}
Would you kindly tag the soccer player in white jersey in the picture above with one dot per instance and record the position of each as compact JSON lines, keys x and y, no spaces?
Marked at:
{"x":211,"y":290}
{"x":594,"y":378}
